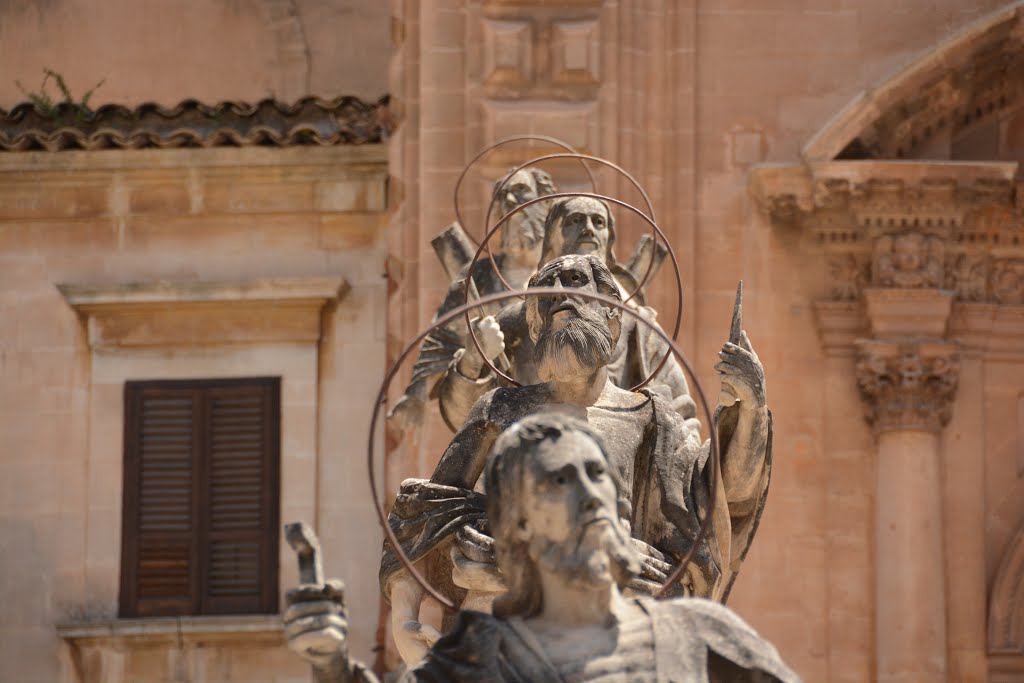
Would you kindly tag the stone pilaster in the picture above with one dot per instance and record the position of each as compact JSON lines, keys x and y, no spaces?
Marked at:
{"x":921,"y":263}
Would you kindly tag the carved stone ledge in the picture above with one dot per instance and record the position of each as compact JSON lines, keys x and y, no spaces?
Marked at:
{"x":907,"y":385}
{"x":173,"y":630}
{"x":177,"y":314}
{"x":840,"y":324}
{"x":897,"y":312}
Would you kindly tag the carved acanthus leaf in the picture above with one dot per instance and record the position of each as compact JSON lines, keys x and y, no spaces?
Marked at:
{"x":1008,"y":281}
{"x":907,"y":385}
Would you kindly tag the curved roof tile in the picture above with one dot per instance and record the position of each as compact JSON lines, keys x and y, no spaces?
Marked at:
{"x":309,"y":121}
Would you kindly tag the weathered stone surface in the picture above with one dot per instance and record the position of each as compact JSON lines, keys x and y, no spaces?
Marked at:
{"x":554,"y":509}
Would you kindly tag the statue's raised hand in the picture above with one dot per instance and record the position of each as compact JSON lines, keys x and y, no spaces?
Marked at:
{"x":742,"y":375}
{"x":315,"y":623}
{"x":492,"y":343}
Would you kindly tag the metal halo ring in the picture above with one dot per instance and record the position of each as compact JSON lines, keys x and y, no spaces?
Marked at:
{"x":600,"y":160}
{"x":504,"y":141}
{"x":560,"y":195}
{"x":382,"y":516}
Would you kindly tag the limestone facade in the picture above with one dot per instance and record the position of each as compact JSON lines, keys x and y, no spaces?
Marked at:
{"x":175,"y":264}
{"x":855,"y":162}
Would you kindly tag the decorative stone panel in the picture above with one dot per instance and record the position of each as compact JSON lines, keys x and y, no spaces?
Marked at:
{"x":575,"y":54}
{"x":508,"y":52}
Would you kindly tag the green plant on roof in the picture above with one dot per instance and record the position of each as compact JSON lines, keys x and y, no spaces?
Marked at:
{"x":45,"y":103}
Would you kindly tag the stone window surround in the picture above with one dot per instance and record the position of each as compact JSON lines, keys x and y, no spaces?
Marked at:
{"x":192,"y":330}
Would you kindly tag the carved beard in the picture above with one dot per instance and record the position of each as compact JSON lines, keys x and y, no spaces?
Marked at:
{"x":525,"y":231}
{"x":602,"y":554}
{"x":580,"y":347}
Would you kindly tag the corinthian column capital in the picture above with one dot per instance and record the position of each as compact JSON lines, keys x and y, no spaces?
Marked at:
{"x":907,"y":385}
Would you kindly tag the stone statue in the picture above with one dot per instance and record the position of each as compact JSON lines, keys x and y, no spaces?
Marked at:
{"x":656,"y":454}
{"x":578,"y":225}
{"x":516,"y":258}
{"x":566,"y":554}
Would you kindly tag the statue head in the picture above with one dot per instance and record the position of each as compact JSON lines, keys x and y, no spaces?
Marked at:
{"x":553,"y":503}
{"x":524,"y":232}
{"x":579,"y":225}
{"x":574,"y":336}
{"x":908,"y":251}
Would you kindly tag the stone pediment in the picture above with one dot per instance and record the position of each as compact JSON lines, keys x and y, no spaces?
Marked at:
{"x":973,"y":75}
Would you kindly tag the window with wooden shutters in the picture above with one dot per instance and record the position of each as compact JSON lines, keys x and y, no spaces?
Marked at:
{"x":200,"y":497}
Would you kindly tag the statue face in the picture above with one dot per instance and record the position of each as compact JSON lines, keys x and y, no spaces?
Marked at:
{"x":520,"y":188}
{"x":524,"y":233}
{"x":584,"y":229}
{"x":557,"y":311}
{"x":575,"y":337}
{"x":568,"y":488}
{"x":569,"y":510}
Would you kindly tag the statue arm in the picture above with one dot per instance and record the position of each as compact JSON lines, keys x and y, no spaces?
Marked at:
{"x":464,"y":459}
{"x":460,"y":389}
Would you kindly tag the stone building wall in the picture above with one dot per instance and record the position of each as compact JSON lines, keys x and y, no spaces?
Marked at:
{"x":203,"y":224}
{"x":694,"y":98}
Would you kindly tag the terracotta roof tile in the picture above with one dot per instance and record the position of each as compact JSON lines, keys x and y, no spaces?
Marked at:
{"x":310,"y":121}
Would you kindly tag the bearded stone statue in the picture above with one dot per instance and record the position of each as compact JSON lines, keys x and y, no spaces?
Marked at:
{"x":655,"y":453}
{"x":521,"y":241}
{"x":554,"y":505}
{"x":585,"y":226}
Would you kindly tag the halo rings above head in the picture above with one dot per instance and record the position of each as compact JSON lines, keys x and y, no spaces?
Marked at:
{"x":504,"y":141}
{"x":582,"y":157}
{"x":562,"y":195}
{"x":382,"y":515}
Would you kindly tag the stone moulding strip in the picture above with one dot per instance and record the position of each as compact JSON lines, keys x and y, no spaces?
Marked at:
{"x":184,"y":314}
{"x":174,"y":629}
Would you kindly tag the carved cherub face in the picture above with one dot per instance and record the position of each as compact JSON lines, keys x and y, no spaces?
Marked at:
{"x":908,"y":250}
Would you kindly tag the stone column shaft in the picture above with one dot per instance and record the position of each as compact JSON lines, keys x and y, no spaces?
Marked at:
{"x":910,"y":586}
{"x":908,"y":376}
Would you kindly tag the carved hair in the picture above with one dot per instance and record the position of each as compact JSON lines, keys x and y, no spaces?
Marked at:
{"x":504,"y":479}
{"x":560,"y":209}
{"x":603,"y":280}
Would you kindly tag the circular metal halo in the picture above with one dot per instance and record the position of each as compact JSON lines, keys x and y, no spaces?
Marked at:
{"x":582,"y":157}
{"x":504,"y":141}
{"x":561,"y":195}
{"x":382,"y":516}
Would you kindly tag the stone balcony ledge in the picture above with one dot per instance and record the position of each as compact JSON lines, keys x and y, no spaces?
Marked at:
{"x":260,"y":627}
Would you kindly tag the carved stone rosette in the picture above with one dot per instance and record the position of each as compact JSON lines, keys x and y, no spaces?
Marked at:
{"x":907,"y":385}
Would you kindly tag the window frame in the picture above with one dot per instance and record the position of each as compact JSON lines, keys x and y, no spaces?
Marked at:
{"x":199,"y":599}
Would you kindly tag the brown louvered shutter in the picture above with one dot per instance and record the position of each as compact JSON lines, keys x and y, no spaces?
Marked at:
{"x":200,"y":497}
{"x":240,"y":561}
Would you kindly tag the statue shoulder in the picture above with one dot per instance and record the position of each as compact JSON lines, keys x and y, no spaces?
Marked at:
{"x":722,"y":631}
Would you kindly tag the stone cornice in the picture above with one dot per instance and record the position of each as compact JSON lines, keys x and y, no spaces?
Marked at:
{"x":176,"y":314}
{"x":173,"y":630}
